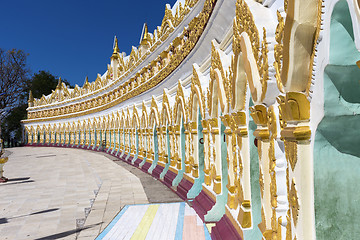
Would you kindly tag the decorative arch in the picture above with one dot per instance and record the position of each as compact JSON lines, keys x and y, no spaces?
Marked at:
{"x":87,"y":132}
{"x":196,"y":115}
{"x":72,"y":133}
{"x":135,"y":125}
{"x":77,"y":132}
{"x":117,"y":126}
{"x":249,"y":67}
{"x":167,"y":21}
{"x":143,"y":132}
{"x":153,"y":122}
{"x":39,"y":134}
{"x":28,"y":138}
{"x":154,"y":114}
{"x":61,"y":133}
{"x":94,"y":133}
{"x":164,"y":123}
{"x":179,"y":111}
{"x":52,"y":133}
{"x":32,"y":135}
{"x":127,"y":131}
{"x":47,"y":129}
{"x":82,"y":132}
{"x":66,"y":133}
{"x":218,"y":102}
{"x":111,"y":132}
{"x":122,"y":131}
{"x":178,"y":134}
{"x":105,"y":138}
{"x":165,"y":117}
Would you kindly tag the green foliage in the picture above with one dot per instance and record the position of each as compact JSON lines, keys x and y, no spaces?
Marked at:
{"x":11,"y":126}
{"x":43,"y":83}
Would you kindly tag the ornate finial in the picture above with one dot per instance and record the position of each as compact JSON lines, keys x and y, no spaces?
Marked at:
{"x":145,"y":37}
{"x":31,"y":99}
{"x":153,"y":103}
{"x":59,"y":84}
{"x":86,"y":83}
{"x":116,"y":49}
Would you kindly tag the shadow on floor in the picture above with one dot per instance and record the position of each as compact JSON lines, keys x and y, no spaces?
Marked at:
{"x":67,"y":233}
{"x":18,"y":179}
{"x":5,"y":220}
{"x":12,"y":183}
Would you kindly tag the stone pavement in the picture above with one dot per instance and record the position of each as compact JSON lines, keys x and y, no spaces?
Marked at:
{"x":53,"y":192}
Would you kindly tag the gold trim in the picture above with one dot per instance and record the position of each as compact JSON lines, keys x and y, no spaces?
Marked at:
{"x":3,"y":160}
{"x":262,"y":134}
{"x":291,"y":153}
{"x":161,"y":164}
{"x":127,"y":90}
{"x":209,"y":193}
{"x":136,"y":57}
{"x":244,"y":216}
{"x":294,"y":202}
{"x":234,"y":223}
{"x":190,"y":179}
{"x":174,"y":170}
{"x":296,"y":133}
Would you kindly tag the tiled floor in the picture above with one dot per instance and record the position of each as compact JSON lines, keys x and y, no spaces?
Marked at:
{"x":50,"y":188}
{"x":52,"y":193}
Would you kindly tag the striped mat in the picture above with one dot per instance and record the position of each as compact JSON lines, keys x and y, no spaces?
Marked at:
{"x":165,"y":221}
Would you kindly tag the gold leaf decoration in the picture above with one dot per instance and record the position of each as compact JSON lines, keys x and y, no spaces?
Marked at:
{"x":291,"y":153}
{"x":278,"y":50}
{"x":294,"y":202}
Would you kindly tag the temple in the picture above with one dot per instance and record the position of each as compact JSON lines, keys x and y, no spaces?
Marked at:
{"x":249,"y":110}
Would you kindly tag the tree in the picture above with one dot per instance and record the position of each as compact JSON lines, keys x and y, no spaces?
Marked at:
{"x":11,"y":124}
{"x":43,"y":82}
{"x":14,"y":76}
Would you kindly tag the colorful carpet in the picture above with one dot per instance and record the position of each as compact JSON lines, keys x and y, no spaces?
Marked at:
{"x":165,"y":221}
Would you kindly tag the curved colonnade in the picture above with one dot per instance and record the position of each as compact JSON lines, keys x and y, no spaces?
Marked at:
{"x":221,"y":110}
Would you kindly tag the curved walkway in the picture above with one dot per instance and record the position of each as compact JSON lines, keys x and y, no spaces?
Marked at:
{"x":52,"y":193}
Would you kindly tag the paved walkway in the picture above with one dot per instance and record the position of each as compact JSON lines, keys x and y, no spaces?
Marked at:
{"x":54,"y":192}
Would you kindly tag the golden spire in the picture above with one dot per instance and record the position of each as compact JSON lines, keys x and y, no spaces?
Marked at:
{"x":145,"y":30}
{"x":116,"y":49}
{"x":59,"y":83}
{"x":146,"y":38}
{"x":86,"y":83}
{"x":31,"y":98}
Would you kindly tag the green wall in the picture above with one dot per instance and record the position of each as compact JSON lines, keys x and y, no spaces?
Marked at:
{"x":337,"y":141}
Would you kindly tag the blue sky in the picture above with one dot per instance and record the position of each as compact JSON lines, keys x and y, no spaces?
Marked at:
{"x":73,"y":39}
